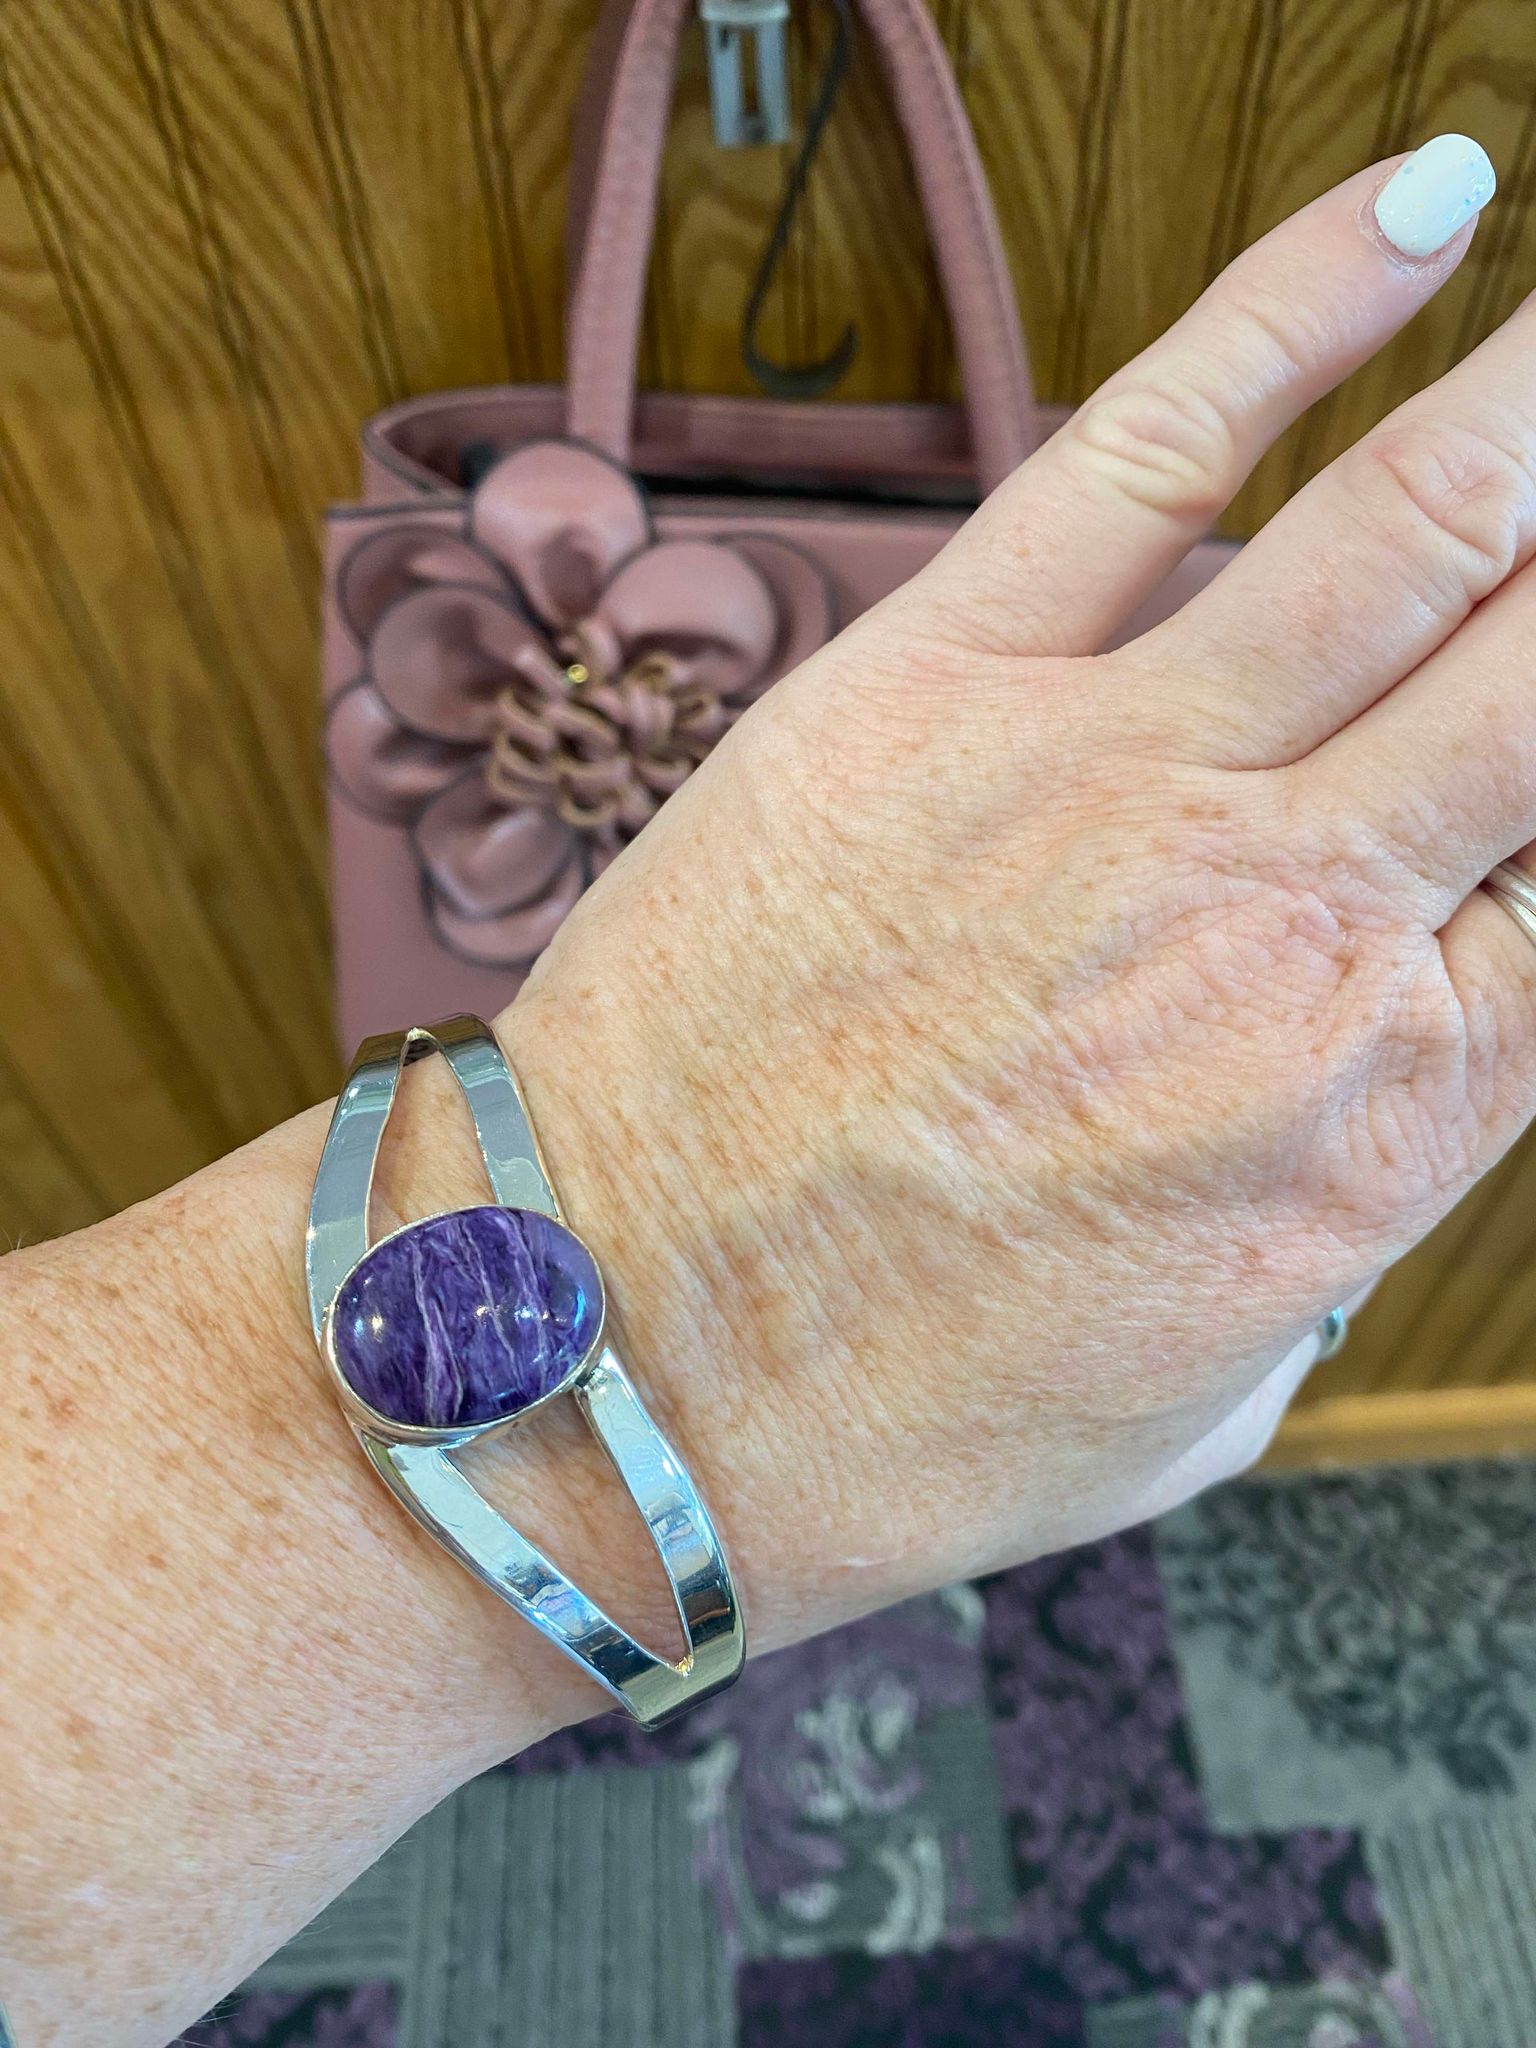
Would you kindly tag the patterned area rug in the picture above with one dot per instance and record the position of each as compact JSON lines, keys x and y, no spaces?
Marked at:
{"x":1263,"y":1776}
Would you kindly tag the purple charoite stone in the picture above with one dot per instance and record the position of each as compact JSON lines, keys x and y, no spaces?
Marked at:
{"x":469,"y":1317}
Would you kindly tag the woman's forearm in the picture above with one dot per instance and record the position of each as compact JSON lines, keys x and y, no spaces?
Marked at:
{"x":233,"y":1670}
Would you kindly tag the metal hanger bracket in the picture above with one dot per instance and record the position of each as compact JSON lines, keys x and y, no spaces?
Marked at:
{"x":746,"y":43}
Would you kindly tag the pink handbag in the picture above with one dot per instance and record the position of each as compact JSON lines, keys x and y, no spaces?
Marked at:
{"x":527,"y":649}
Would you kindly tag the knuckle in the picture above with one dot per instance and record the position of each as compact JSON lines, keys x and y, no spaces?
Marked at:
{"x":1282,"y":334}
{"x":1170,"y":448}
{"x":1461,"y":503}
{"x":1368,"y":865}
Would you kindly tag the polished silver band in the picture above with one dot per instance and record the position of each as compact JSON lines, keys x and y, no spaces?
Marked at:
{"x":1513,"y":890}
{"x":423,"y":1475}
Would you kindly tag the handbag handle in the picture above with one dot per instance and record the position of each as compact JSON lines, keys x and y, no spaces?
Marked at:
{"x":613,"y":207}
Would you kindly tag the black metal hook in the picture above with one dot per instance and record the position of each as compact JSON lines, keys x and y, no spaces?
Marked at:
{"x":801,"y":380}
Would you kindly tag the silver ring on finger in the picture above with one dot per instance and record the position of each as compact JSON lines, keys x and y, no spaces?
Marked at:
{"x":1331,"y":1334}
{"x":1515,"y":891}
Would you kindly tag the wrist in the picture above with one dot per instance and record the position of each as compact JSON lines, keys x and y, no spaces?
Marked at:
{"x":704,"y":1315}
{"x":263,"y":1671}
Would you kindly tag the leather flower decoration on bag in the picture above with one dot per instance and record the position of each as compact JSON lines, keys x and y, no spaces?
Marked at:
{"x":540,"y":676}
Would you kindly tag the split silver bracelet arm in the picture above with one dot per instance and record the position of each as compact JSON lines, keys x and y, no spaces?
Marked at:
{"x":462,"y":1323}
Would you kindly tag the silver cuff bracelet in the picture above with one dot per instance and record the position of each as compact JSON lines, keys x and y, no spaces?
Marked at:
{"x":460,"y":1324}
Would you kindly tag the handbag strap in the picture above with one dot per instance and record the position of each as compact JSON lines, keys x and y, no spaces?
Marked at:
{"x":613,"y":207}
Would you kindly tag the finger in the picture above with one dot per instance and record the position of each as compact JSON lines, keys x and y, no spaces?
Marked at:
{"x":1490,"y":960}
{"x":1062,"y":553}
{"x":1433,"y":785}
{"x":1370,"y":568}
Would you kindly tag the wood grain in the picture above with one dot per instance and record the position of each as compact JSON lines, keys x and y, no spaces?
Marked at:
{"x":226,"y":235}
{"x":1399,"y":1428}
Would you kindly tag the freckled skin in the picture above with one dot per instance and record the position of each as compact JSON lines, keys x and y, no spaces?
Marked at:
{"x":975,"y":1081}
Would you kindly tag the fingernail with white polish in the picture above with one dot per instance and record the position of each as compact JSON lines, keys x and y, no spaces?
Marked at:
{"x":1434,"y":194}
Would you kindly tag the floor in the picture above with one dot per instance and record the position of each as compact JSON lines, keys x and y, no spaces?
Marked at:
{"x":1262,"y":1776}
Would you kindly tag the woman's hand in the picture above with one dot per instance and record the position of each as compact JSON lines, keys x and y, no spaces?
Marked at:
{"x":996,"y":1058}
{"x":974,"y":1083}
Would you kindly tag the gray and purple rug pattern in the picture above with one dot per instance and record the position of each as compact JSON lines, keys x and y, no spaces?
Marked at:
{"x":1263,"y":1776}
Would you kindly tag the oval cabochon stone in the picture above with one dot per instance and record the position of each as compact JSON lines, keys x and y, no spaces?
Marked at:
{"x":469,"y":1317}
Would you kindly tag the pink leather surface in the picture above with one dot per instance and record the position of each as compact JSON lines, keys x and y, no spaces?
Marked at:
{"x":921,"y":449}
{"x":539,"y":669}
{"x":807,"y":497}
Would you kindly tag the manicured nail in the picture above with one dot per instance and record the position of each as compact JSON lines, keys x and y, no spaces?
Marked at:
{"x":1434,"y":194}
